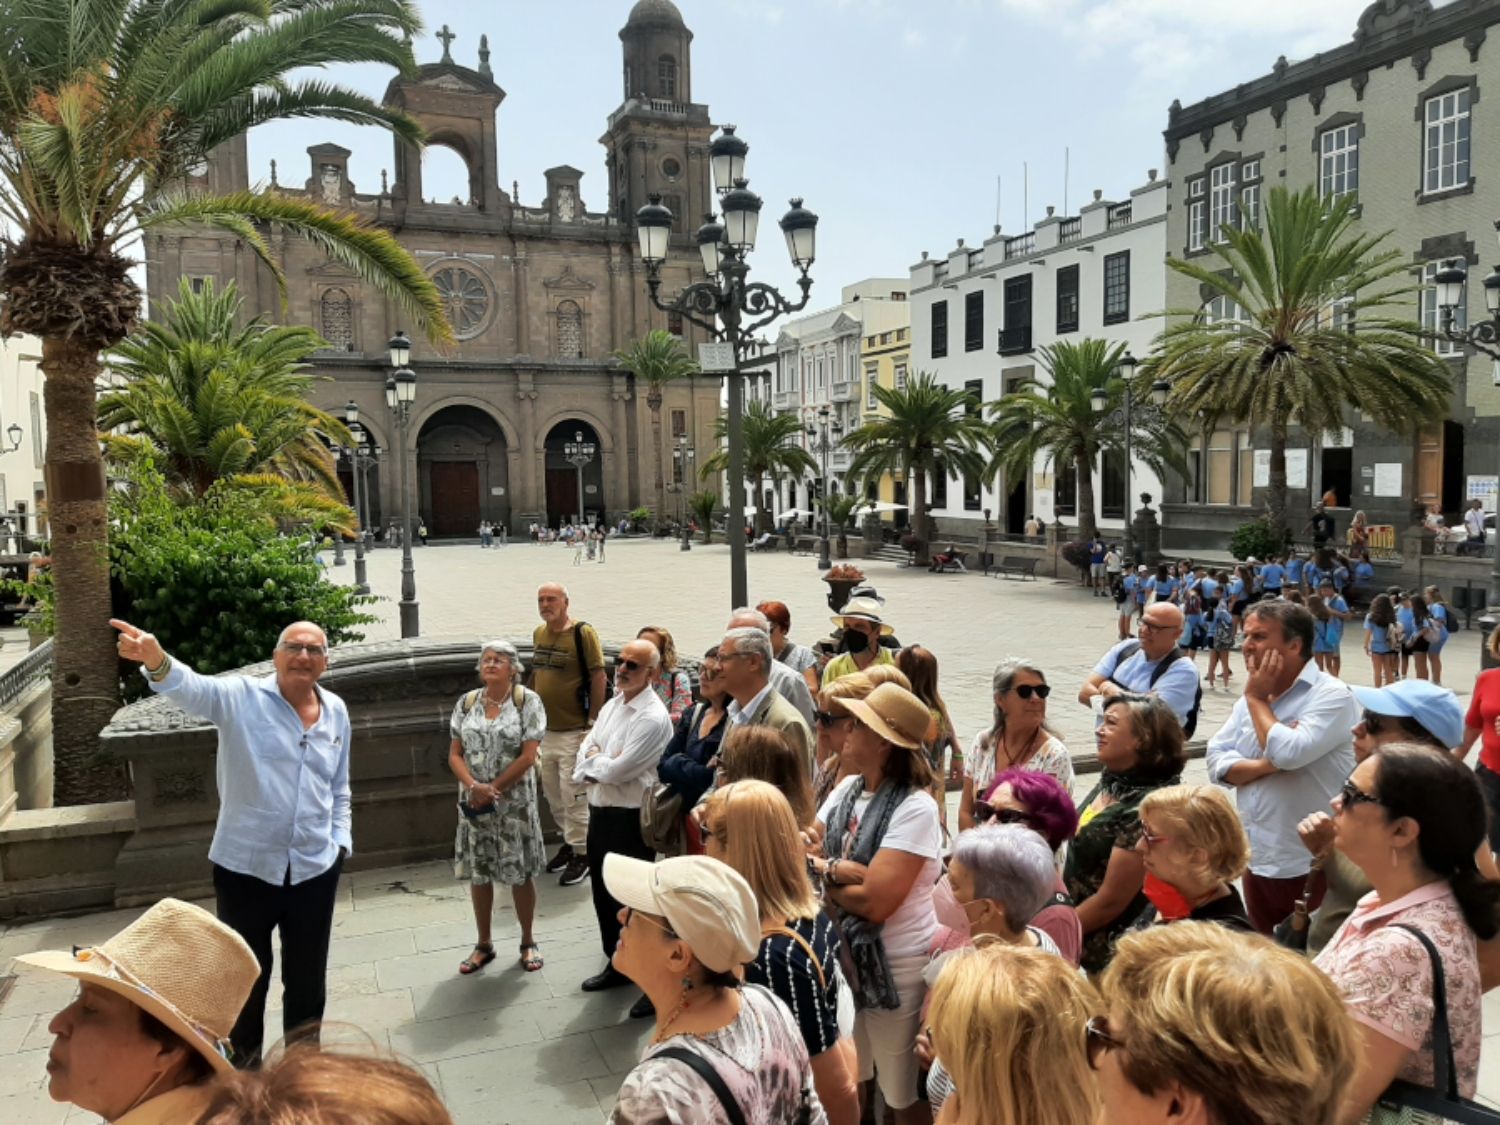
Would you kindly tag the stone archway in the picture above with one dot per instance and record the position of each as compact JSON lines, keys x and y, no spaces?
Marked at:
{"x":562,"y":477}
{"x":463,"y":472}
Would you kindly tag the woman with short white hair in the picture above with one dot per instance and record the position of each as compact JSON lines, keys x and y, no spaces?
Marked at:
{"x":497,"y":730}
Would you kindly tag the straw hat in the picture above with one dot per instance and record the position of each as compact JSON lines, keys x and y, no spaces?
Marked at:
{"x":894,"y":713}
{"x":862,"y":609}
{"x":707,"y":903}
{"x":177,"y":962}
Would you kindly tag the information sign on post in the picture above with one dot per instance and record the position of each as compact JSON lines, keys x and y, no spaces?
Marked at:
{"x":716,"y":357}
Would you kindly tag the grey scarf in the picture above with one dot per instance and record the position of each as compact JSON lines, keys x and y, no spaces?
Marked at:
{"x":873,"y":987}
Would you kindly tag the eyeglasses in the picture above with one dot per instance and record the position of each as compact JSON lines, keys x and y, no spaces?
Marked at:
{"x":1097,"y":1039}
{"x":1152,"y":839}
{"x":1153,"y":626}
{"x":1351,"y":795}
{"x":631,"y":912}
{"x":294,"y":649}
{"x":706,"y":831}
{"x":630,"y":665}
{"x":828,"y":718}
{"x":1026,"y":691}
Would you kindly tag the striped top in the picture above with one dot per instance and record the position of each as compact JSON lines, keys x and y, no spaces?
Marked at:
{"x":783,"y":966}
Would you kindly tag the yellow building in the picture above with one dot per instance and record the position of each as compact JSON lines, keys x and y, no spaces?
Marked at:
{"x":885,"y":360}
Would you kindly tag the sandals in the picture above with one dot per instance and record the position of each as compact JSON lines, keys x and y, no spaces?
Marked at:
{"x":483,"y":954}
{"x":534,"y":962}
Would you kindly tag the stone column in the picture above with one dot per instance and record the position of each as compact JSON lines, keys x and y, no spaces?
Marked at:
{"x":526,"y":482}
{"x":522,"y":304}
{"x":618,"y":495}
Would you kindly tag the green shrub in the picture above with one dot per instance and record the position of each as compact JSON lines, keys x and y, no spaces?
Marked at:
{"x":640,"y":519}
{"x":1256,"y":538}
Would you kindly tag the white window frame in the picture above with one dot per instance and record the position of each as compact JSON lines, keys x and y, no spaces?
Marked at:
{"x":1446,"y":138}
{"x":1221,"y":199}
{"x":872,"y":380}
{"x":901,"y":376}
{"x":1338,"y":161}
{"x":1432,"y":316}
{"x":1250,"y":206}
{"x":1197,"y":214}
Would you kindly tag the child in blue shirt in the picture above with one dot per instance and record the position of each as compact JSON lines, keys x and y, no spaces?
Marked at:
{"x":1294,"y":564}
{"x":1272,"y":576}
{"x":1224,"y":628}
{"x":1381,"y":631}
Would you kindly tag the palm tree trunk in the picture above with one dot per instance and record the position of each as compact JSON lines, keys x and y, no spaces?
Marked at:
{"x":919,"y":513}
{"x":85,"y":671}
{"x":1276,"y":492}
{"x":653,"y":400}
{"x":1088,"y":524}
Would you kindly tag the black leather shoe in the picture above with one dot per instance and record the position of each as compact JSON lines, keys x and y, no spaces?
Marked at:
{"x":609,"y":978}
{"x":642,"y":1008}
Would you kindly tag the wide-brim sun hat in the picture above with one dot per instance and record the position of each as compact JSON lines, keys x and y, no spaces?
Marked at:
{"x":1436,"y":709}
{"x":707,"y":903}
{"x":176,"y":962}
{"x":894,"y":713}
{"x":862,"y":609}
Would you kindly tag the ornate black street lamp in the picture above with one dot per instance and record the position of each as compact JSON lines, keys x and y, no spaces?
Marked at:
{"x":726,"y":305}
{"x":355,"y":452}
{"x":683,"y":457}
{"x":580,"y":454}
{"x":400,"y":393}
{"x":1124,"y":418}
{"x":822,"y":444}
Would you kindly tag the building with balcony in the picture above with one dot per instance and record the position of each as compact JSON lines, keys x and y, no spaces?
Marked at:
{"x":981,"y":315}
{"x":820,"y":363}
{"x":1395,"y":117}
{"x":23,"y":440}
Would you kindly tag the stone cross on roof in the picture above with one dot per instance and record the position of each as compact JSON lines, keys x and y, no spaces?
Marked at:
{"x":447,"y":37}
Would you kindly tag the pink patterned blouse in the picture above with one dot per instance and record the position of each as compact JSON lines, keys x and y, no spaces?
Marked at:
{"x":1385,"y":975}
{"x":676,"y":691}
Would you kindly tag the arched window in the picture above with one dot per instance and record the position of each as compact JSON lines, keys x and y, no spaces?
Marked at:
{"x":336,"y":315}
{"x":666,"y":77}
{"x":569,"y":330}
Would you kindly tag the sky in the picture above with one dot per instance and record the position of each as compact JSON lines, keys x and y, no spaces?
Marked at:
{"x":892,"y":118}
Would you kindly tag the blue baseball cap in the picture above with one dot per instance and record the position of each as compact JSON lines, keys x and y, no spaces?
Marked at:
{"x":1435,"y":709}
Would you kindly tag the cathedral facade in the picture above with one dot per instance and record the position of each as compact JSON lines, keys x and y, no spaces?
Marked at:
{"x":538,"y":296}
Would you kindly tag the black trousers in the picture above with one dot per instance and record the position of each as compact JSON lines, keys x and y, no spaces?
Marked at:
{"x":304,"y":914}
{"x":611,"y":830}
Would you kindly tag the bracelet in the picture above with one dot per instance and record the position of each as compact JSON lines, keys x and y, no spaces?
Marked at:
{"x":159,"y":673}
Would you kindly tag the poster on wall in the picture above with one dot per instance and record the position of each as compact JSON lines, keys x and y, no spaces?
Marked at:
{"x":1041,"y":496}
{"x":1388,"y":478}
{"x":1296,"y":468}
{"x":1483,"y":489}
{"x":1262,"y":473}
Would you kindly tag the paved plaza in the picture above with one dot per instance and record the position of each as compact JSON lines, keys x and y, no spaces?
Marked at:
{"x":512,"y":1047}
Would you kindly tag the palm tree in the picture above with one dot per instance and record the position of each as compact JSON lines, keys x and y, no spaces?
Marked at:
{"x":1055,"y":420}
{"x":214,"y":399}
{"x":841,"y":508}
{"x":105,"y":106}
{"x":927,"y":425}
{"x":657,"y":358}
{"x":769,"y":452}
{"x":702,"y":505}
{"x":1279,"y":358}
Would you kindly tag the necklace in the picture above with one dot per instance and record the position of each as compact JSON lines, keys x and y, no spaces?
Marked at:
{"x":490,"y":702}
{"x":1012,"y":759}
{"x":661,"y":1033}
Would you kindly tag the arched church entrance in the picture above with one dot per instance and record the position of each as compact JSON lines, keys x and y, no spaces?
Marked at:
{"x":462,"y":472}
{"x":563,"y":476}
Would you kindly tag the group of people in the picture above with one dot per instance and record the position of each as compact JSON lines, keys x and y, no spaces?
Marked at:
{"x":817,"y":937}
{"x":493,"y":534}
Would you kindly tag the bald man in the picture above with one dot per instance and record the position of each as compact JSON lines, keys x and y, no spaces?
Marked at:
{"x":284,"y":811}
{"x":1150,"y":665}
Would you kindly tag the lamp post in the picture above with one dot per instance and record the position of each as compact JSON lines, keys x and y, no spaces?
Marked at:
{"x":826,"y":425}
{"x":356,"y":431}
{"x":726,"y":305}
{"x":1483,"y":336}
{"x":579,"y":453}
{"x":683,"y":456}
{"x":14,"y":433}
{"x":1124,"y":418}
{"x":400,"y":392}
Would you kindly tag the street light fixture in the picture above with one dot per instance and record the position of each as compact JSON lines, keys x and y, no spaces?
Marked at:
{"x":355,"y":452}
{"x":728,"y":306}
{"x":1124,"y":418}
{"x":683,"y":456}
{"x":14,"y":433}
{"x":579,"y":453}
{"x":400,"y":393}
{"x":824,"y":447}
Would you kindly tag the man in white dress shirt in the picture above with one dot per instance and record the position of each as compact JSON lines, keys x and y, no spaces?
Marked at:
{"x":284,"y":811}
{"x":617,"y":763}
{"x":1287,"y":747}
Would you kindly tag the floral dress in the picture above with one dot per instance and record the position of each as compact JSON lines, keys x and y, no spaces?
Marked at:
{"x":504,"y":846}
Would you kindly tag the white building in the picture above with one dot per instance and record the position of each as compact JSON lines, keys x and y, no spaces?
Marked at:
{"x":819,"y":364}
{"x":23,"y":437}
{"x":980,"y":315}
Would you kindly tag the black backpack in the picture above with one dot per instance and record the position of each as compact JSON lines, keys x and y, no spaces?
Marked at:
{"x":1189,"y":724}
{"x":584,"y":692}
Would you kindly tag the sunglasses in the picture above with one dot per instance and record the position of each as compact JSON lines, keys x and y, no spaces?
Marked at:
{"x":304,"y":650}
{"x":1097,"y":1040}
{"x":827,"y":718}
{"x":630,"y":665}
{"x":1026,"y":691}
{"x":1351,"y":795}
{"x":984,"y":813}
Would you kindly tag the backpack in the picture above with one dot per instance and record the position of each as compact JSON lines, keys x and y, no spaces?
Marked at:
{"x":1117,"y":589}
{"x":1190,"y":722}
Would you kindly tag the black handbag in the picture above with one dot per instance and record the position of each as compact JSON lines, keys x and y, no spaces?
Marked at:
{"x":1441,"y":1100}
{"x":1292,"y":931}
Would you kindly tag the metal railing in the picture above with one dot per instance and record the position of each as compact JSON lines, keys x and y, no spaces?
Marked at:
{"x":35,"y":665}
{"x":1020,"y":246}
{"x":1120,"y":215}
{"x":1069,"y":229}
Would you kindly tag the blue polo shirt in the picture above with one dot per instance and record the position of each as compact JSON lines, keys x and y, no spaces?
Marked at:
{"x":1272,"y":575}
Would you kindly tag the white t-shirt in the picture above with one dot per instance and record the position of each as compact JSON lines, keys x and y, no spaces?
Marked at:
{"x":915,"y":829}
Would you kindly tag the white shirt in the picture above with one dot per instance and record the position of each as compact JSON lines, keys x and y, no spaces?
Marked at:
{"x":629,"y":738}
{"x":740,"y":716}
{"x":1474,"y":523}
{"x":1313,"y":749}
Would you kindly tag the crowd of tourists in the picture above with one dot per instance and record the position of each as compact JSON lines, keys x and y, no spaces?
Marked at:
{"x":774,"y":872}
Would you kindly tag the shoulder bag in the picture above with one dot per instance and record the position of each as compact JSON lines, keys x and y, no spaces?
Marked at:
{"x":1406,"y":1103}
{"x":662,"y":809}
{"x":705,"y":1070}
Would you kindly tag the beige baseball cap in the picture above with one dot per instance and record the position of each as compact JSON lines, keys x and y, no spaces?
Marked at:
{"x":707,"y":904}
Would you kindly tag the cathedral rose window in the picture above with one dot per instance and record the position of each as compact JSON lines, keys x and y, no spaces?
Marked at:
{"x":465,"y":299}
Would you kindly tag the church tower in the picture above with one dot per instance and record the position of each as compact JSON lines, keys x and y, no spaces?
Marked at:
{"x":657,"y":141}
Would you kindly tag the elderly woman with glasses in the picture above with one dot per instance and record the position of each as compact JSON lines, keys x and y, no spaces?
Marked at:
{"x":497,"y":730}
{"x":1141,"y":750}
{"x":1017,"y":738}
{"x":1411,"y":820}
{"x":1194,"y":848}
